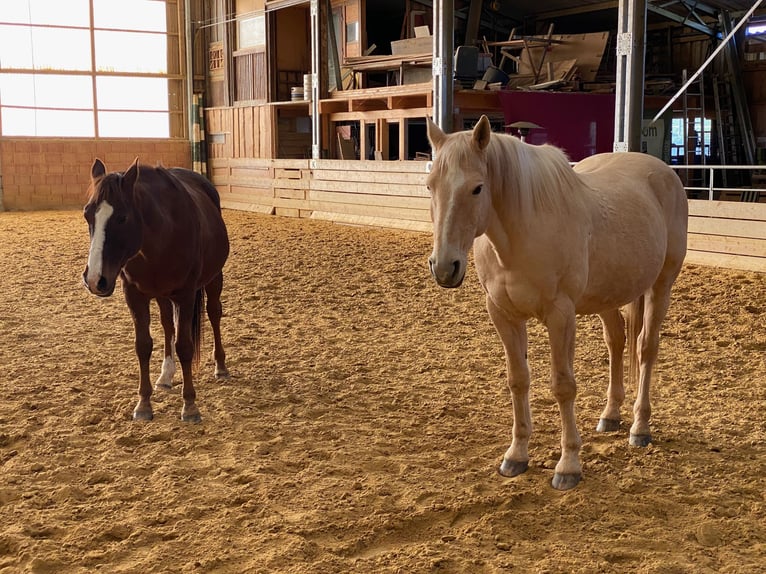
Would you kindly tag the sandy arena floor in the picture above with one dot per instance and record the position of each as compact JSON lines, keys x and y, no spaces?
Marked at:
{"x":364,"y":424}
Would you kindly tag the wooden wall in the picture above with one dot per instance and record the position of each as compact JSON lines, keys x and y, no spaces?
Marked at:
{"x":375,"y":193}
{"x":43,"y":173}
{"x":729,"y":234}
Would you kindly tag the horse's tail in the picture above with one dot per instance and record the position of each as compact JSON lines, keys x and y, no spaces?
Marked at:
{"x":635,"y":322}
{"x":197,"y":322}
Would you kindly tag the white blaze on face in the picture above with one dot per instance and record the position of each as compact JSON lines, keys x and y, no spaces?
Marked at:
{"x":96,"y":256}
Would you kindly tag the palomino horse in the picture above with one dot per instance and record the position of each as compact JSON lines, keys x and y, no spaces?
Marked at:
{"x":162,"y":232}
{"x":552,"y":242}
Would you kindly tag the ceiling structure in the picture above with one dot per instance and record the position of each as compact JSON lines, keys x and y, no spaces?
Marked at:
{"x":593,"y":15}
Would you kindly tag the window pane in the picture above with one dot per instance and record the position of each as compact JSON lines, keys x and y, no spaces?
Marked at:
{"x":46,"y":91}
{"x":134,"y":124}
{"x":47,"y":123}
{"x":56,"y":12}
{"x":18,"y":122}
{"x":251,"y":32}
{"x":132,"y":93}
{"x":131,"y":52}
{"x":61,"y":49}
{"x":16,"y":47}
{"x":130,"y":15}
{"x":57,"y":123}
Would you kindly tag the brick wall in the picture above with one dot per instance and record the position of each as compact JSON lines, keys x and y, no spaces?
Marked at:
{"x":42,"y":173}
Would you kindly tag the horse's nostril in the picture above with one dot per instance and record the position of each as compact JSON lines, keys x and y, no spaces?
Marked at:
{"x":455,"y":269}
{"x":101,"y":285}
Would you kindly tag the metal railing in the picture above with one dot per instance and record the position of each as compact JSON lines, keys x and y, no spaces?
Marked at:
{"x":708,"y":189}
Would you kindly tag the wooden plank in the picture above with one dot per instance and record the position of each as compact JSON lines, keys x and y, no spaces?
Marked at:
{"x":348,"y":208}
{"x":252,"y":193}
{"x":372,"y":221}
{"x":290,"y":193}
{"x":370,"y":188}
{"x":242,"y":206}
{"x":370,"y":199}
{"x":287,"y":173}
{"x":731,"y":227}
{"x":291,"y":183}
{"x":388,"y":177}
{"x":374,"y":166}
{"x":726,"y":261}
{"x":728,"y":209}
{"x":727,"y":244}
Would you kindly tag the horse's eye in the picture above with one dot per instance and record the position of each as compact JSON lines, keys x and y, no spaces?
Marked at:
{"x":120,"y":219}
{"x":477,"y":190}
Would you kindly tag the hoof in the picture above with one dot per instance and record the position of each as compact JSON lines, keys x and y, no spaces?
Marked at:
{"x":142,"y":415}
{"x":608,"y":425}
{"x":191,"y":415}
{"x":565,"y":481}
{"x":167,"y":387}
{"x":222,"y":375}
{"x":640,"y":439}
{"x":511,"y":468}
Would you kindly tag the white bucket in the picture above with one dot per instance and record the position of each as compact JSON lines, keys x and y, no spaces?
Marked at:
{"x":296,"y":93}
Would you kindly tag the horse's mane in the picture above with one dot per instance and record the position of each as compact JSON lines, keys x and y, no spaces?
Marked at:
{"x":537,"y":178}
{"x":524,"y":178}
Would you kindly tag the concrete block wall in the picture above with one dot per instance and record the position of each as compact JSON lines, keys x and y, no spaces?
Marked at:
{"x":53,"y":173}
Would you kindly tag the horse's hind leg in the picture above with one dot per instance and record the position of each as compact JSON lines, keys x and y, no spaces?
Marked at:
{"x":138,"y":304}
{"x":614,"y":336}
{"x":165,"y":380}
{"x":214,"y":313}
{"x":185,"y":348}
{"x":656,"y":305}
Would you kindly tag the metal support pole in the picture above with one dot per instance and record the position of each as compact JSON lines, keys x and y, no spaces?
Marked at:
{"x":444,"y":31}
{"x":629,"y":92}
{"x":316,"y":142}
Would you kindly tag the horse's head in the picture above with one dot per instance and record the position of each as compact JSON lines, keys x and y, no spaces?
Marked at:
{"x":114,"y":225}
{"x":460,"y":199}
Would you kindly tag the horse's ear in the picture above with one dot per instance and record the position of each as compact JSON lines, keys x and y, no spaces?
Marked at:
{"x":130,"y":177}
{"x":435,"y":135}
{"x":98,"y":169}
{"x":482,"y":132}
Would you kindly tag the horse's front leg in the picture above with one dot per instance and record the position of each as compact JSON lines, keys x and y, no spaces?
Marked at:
{"x":614,"y":336}
{"x":165,"y":380}
{"x":138,"y":303}
{"x":185,"y":349}
{"x":513,"y":334}
{"x":561,"y":324}
{"x":214,"y":314}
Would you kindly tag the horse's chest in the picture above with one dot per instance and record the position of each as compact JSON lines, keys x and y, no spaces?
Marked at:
{"x":518,"y":294}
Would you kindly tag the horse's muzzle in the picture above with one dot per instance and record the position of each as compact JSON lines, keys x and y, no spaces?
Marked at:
{"x":101,"y":288}
{"x":449,"y":276}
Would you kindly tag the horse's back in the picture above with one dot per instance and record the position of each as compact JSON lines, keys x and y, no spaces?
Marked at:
{"x":207,"y":241}
{"x":621,"y":176}
{"x":197,"y":182}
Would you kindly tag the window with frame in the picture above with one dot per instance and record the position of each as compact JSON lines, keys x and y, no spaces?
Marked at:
{"x":90,"y":68}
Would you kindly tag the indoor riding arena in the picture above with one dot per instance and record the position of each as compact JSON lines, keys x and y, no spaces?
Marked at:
{"x":363,"y":424}
{"x":367,"y":412}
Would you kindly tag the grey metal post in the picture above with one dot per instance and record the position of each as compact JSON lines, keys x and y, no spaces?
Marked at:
{"x":629,"y":90}
{"x":444,"y":31}
{"x":316,"y":142}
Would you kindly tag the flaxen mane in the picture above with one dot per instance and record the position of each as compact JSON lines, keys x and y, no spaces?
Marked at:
{"x":539,"y":177}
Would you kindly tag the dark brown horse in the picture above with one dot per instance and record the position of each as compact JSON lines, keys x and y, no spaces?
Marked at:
{"x":161,"y":230}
